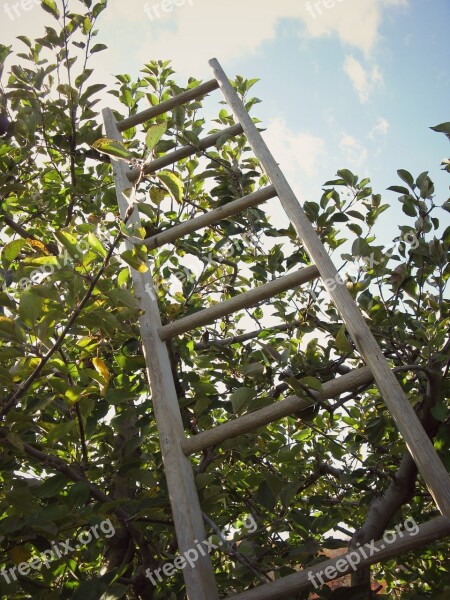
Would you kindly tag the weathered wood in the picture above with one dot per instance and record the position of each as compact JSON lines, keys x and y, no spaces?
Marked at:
{"x":160,"y":109}
{"x":429,"y":532}
{"x":184,"y":152}
{"x":209,"y":218}
{"x":417,"y":441}
{"x":275,"y":411}
{"x":200,"y":582}
{"x":245,"y":300}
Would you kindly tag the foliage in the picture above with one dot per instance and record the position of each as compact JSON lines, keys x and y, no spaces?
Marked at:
{"x":78,"y":435}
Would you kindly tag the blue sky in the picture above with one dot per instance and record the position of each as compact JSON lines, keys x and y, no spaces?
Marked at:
{"x":344,"y":83}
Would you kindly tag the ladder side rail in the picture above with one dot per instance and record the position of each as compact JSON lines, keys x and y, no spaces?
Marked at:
{"x":416,"y":439}
{"x":200,"y":580}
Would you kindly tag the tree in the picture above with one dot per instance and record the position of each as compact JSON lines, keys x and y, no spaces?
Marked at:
{"x":79,"y":444}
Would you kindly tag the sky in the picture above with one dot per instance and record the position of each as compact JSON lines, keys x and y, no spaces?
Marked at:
{"x":344,"y":83}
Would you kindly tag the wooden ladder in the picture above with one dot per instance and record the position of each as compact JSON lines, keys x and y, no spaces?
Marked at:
{"x":175,"y":446}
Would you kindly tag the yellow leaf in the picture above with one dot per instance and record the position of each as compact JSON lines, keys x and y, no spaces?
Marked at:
{"x":342,"y":342}
{"x":157,"y":195}
{"x":101,"y":368}
{"x":74,"y":394}
{"x":172,"y":183}
{"x":39,"y":245}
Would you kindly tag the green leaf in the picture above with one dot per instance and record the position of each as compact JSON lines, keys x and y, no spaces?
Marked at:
{"x":355,"y":228}
{"x":30,"y":308}
{"x":312,"y":382}
{"x":69,"y":242}
{"x":289,"y":492}
{"x":96,"y":245}
{"x":240,"y":399}
{"x":99,"y":7}
{"x":60,"y":431}
{"x":361,"y":248}
{"x":123,"y":297}
{"x":442,"y":128}
{"x":348,"y":177}
{"x":409,"y":207}
{"x":90,"y":590}
{"x":9,"y":329}
{"x":78,"y":494}
{"x":117,"y":591}
{"x":87,"y":25}
{"x":356,"y":214}
{"x":259,"y":403}
{"x":342,"y":342}
{"x":50,"y":7}
{"x":339,"y":218}
{"x":399,"y":189}
{"x":73,"y":394}
{"x":90,"y":90}
{"x":52,"y":486}
{"x":123,"y":277}
{"x":25,"y":40}
{"x":12,"y":249}
{"x":253,"y":370}
{"x":98,"y":48}
{"x":440,"y":411}
{"x":406,"y":177}
{"x":154,"y":134}
{"x":192,"y":138}
{"x":172,"y":183}
{"x":15,"y":440}
{"x":113,"y":148}
{"x":131,"y":258}
{"x":266,"y":496}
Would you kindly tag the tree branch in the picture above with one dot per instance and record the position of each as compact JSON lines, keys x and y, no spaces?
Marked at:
{"x":51,"y":248}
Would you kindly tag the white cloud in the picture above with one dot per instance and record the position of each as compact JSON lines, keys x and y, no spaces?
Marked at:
{"x":354,"y":152}
{"x":364,"y":80}
{"x":381,"y":128}
{"x":197,"y":30}
{"x":294,"y":151}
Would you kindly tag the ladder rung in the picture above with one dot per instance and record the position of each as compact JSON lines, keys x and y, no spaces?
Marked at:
{"x":164,"y":107}
{"x":209,"y":218}
{"x":428,"y":532}
{"x":184,"y":152}
{"x":245,"y":300}
{"x":275,"y":411}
